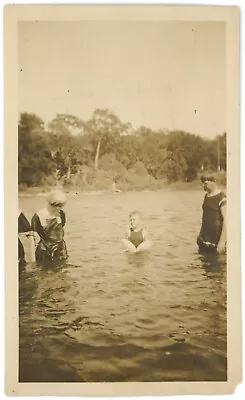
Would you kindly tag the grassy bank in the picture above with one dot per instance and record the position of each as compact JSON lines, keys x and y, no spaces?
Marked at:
{"x":132,"y":182}
{"x":42,"y":191}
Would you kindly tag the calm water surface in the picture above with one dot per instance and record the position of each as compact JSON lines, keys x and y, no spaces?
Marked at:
{"x":112,"y":316}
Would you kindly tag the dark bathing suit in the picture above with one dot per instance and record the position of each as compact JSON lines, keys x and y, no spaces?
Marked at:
{"x":136,"y":237}
{"x":212,"y":222}
{"x":52,"y":246}
{"x":23,"y":226}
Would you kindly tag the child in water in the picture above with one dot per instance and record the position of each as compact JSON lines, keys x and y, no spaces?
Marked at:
{"x":137,"y":237}
{"x":49,"y":223}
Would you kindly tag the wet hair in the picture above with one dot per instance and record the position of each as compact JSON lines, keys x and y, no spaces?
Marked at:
{"x":135,"y":212}
{"x":210,"y":178}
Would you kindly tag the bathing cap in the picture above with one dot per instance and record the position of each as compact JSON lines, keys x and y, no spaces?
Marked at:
{"x":56,"y":197}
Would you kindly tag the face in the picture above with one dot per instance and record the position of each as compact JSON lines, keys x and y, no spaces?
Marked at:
{"x":57,"y":206}
{"x":208,"y":186}
{"x":134,"y":220}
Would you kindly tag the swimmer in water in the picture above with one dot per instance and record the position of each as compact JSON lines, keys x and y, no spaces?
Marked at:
{"x":137,"y":238}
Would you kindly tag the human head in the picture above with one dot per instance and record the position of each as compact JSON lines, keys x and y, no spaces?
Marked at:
{"x":209,"y":182}
{"x":135,"y":218}
{"x":56,"y":199}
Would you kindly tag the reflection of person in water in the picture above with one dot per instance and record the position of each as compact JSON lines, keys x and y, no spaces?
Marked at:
{"x":212,"y":236}
{"x":23,"y":227}
{"x":49,"y":223}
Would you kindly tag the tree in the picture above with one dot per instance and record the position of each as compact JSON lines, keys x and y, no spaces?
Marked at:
{"x":175,"y":167}
{"x":67,"y":155}
{"x":190,"y":148}
{"x":34,"y":156}
{"x":153,"y":153}
{"x":66,"y":124}
{"x":105,"y":128}
{"x":215,"y":153}
{"x":221,"y":146}
{"x":72,"y":150}
{"x":128,"y":149}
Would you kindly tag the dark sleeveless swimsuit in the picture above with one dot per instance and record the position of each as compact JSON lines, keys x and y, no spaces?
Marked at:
{"x":136,"y":237}
{"x":52,"y":246}
{"x":212,"y":221}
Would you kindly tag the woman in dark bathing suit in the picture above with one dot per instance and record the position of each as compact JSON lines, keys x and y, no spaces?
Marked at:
{"x":49,"y":223}
{"x":212,"y":236}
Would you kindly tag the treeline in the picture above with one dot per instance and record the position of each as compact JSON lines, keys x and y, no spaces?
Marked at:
{"x":102,"y":150}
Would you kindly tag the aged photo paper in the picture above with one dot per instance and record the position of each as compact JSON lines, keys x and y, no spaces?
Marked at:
{"x":104,"y":106}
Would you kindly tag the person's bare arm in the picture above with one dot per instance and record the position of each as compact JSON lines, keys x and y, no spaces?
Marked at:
{"x":129,"y":246}
{"x":127,"y":235}
{"x":222,"y":241}
{"x":147,"y":242}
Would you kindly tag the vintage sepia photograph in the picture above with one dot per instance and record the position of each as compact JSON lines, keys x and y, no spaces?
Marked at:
{"x":123,"y":194}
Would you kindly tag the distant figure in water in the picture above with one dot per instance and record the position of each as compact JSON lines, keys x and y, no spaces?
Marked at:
{"x":49,"y":223}
{"x":212,"y":236}
{"x":23,"y":227}
{"x":114,"y":188}
{"x":137,"y":237}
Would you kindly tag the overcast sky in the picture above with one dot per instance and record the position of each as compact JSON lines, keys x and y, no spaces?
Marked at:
{"x":168,"y":75}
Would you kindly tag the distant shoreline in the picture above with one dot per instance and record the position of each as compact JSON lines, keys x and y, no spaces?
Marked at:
{"x":40,"y":191}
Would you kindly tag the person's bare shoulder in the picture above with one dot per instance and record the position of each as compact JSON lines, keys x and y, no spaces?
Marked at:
{"x":146,"y":235}
{"x":127,"y":235}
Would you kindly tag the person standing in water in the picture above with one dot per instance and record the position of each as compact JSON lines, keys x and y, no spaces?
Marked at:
{"x":114,"y":187}
{"x":49,"y":223}
{"x":137,"y":238}
{"x":212,"y":236}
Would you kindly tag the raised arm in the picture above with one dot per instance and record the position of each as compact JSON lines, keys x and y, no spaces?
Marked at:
{"x":63,"y":217}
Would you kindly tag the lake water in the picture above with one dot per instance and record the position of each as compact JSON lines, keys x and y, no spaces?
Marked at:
{"x":110,"y":316}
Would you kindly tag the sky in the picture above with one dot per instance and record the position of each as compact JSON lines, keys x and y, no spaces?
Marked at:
{"x":163,"y":75}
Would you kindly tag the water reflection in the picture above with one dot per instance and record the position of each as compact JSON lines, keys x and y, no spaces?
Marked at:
{"x":213,"y":309}
{"x":138,"y":260}
{"x":213,"y":263}
{"x":27,"y":284}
